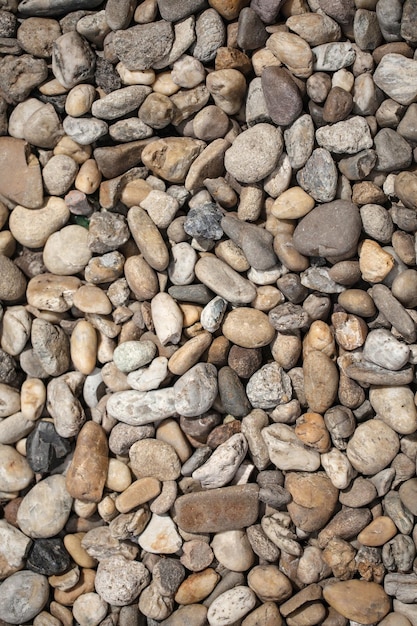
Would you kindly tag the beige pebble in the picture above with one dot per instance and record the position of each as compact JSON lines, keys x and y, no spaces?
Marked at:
{"x":267,"y":298}
{"x":66,"y":251}
{"x":78,"y":554}
{"x":189,"y":354}
{"x":357,"y":302}
{"x":71,"y":148}
{"x":134,"y":192}
{"x":269,"y":583}
{"x":321,"y":380}
{"x":197,"y":586}
{"x":61,"y":613}
{"x":167,"y":318}
{"x":263,"y":58}
{"x":32,"y":228}
{"x":7,"y":243}
{"x":135,"y":77}
{"x":292,"y":204}
{"x":15,"y":331}
{"x":88,"y":178}
{"x":79,"y":100}
{"x":227,"y":88}
{"x":84,"y":509}
{"x":118,"y":476}
{"x":350,"y":330}
{"x":164,"y":84}
{"x":32,"y":398}
{"x":92,"y":299}
{"x":378,"y":532}
{"x":139,"y":492}
{"x":374,"y":262}
{"x":83,"y":346}
{"x":170,"y":432}
{"x":170,"y":158}
{"x":141,"y":278}
{"x":87,"y":472}
{"x":67,"y":580}
{"x":52,"y":293}
{"x":319,"y":337}
{"x":148,"y":238}
{"x":85,"y":584}
{"x":312,"y":431}
{"x":248,"y":328}
{"x":292,"y":51}
{"x":191,"y":313}
{"x":230,"y":253}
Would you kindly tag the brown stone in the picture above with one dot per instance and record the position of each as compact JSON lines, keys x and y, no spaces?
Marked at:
{"x":85,"y":584}
{"x":312,"y":431}
{"x":115,"y":160}
{"x":87,"y":472}
{"x":170,"y":158}
{"x":139,"y":492}
{"x":217,"y":510}
{"x":321,"y":381}
{"x":229,"y":9}
{"x":232,"y":58}
{"x":378,"y":532}
{"x":338,"y":105}
{"x":358,"y":600}
{"x":314,"y":499}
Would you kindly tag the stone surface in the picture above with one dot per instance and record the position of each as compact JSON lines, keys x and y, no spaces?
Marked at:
{"x":24,"y":595}
{"x":44,"y":511}
{"x":361,"y":601}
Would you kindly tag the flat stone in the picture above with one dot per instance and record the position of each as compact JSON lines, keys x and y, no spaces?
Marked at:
{"x":395,"y":75}
{"x":349,"y":136}
{"x":120,"y":102}
{"x":372,"y":447}
{"x":217,"y":510}
{"x":19,"y":75}
{"x":224,"y":281}
{"x":119,"y":581}
{"x":141,"y":46}
{"x":282,"y":96}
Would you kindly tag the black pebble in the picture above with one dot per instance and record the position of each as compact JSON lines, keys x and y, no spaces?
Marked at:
{"x":48,"y":557}
{"x":45,"y":448}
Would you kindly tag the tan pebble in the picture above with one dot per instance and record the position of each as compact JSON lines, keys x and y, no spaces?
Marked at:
{"x":52,"y":88}
{"x":52,"y":293}
{"x":358,"y":302}
{"x":267,"y":297}
{"x":189,"y":354}
{"x":196,"y":555}
{"x":32,"y":228}
{"x":84,"y":509}
{"x":374,"y":262}
{"x":269,"y":584}
{"x":292,"y":204}
{"x":139,"y":492}
{"x":88,"y":178}
{"x":134,"y":192}
{"x":164,"y":84}
{"x":227,"y":88}
{"x":287,"y":254}
{"x":61,"y":613}
{"x":104,"y":269}
{"x":7,"y":243}
{"x":319,"y":337}
{"x":79,"y":100}
{"x":83,"y":346}
{"x":218,"y":351}
{"x":135,"y":77}
{"x":229,"y":9}
{"x":92,"y":299}
{"x":292,"y":51}
{"x":378,"y":532}
{"x":141,"y":278}
{"x":66,"y":251}
{"x":191,"y":313}
{"x":321,"y":380}
{"x":286,"y":349}
{"x":350,"y":330}
{"x":171,"y":157}
{"x":107,"y":508}
{"x":266,"y":614}
{"x":170,"y":432}
{"x":312,"y":431}
{"x":358,"y":600}
{"x":32,"y":398}
{"x":15,"y":330}
{"x":78,"y":554}
{"x":197,"y":587}
{"x":71,"y":148}
{"x":105,"y":348}
{"x":67,"y":580}
{"x":263,"y":58}
{"x":148,"y":238}
{"x":87,"y":472}
{"x":248,"y":328}
{"x":345,"y":272}
{"x":84,"y":585}
{"x":167,"y":318}
{"x":230,"y":253}
{"x":118,"y":476}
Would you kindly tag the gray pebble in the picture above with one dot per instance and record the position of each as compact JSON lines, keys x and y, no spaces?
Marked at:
{"x":196,"y":390}
{"x":319,"y":176}
{"x":73,"y":61}
{"x":84,"y":130}
{"x":120,"y":102}
{"x":330,"y":57}
{"x":223,"y":464}
{"x":139,"y":47}
{"x":254,"y":153}
{"x":130,"y":129}
{"x":393,"y":151}
{"x":44,"y":511}
{"x":397,"y":77}
{"x":22,"y":596}
{"x":211,"y":34}
{"x":268,"y":387}
{"x":299,"y":141}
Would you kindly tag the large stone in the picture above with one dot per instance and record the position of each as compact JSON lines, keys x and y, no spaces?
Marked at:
{"x":45,"y":509}
{"x":20,"y":173}
{"x":254,"y":153}
{"x":314,"y":499}
{"x":397,"y":77}
{"x":358,"y":600}
{"x":141,"y":46}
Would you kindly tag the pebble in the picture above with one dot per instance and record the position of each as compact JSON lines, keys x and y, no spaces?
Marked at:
{"x":24,"y":595}
{"x":372,"y":447}
{"x":197,"y":587}
{"x":44,"y":511}
{"x":393,"y":76}
{"x":231,"y":606}
{"x":282,"y":96}
{"x":348,"y":137}
{"x":89,"y":609}
{"x":119,"y":581}
{"x":314,"y":498}
{"x":15,"y":546}
{"x":160,"y":536}
{"x":239,"y":158}
{"x":48,"y":557}
{"x":359,"y":600}
{"x":87,"y":472}
{"x":287,"y":451}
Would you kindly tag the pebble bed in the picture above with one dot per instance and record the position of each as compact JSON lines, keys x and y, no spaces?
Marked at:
{"x":208,"y":287}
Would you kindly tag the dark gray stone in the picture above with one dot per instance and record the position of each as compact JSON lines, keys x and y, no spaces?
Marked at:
{"x":251,"y":32}
{"x":19,"y":75}
{"x":105,"y":76}
{"x":393,"y":151}
{"x":267,"y":9}
{"x":204,"y":221}
{"x":232,"y":393}
{"x":198,"y":294}
{"x":255,"y":242}
{"x":175,"y":10}
{"x":45,"y":449}
{"x":389,"y":13}
{"x":48,"y":557}
{"x":358,"y":166}
{"x":319,"y":176}
{"x":342,"y":11}
{"x":50,"y":8}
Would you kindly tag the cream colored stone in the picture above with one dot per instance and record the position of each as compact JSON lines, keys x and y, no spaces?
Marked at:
{"x":88,"y":178}
{"x":167,"y":318}
{"x":248,"y":328}
{"x":164,"y":84}
{"x":66,"y":251}
{"x":79,"y":100}
{"x":78,"y":554}
{"x":292,"y":204}
{"x":292,"y":51}
{"x":83,"y":345}
{"x":374,"y":262}
{"x":119,"y":477}
{"x":135,"y":77}
{"x":32,"y":398}
{"x":263,"y":58}
{"x":71,"y":148}
{"x":92,"y":299}
{"x":32,"y":227}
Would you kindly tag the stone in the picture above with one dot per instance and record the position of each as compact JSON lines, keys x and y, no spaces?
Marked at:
{"x":73,"y":60}
{"x":268,"y":387}
{"x":52,"y":216}
{"x":393,"y":310}
{"x":315,"y":28}
{"x":132,"y":355}
{"x":251,"y":32}
{"x":196,"y":587}
{"x":59,"y":174}
{"x":141,"y":46}
{"x":14,"y":548}
{"x":299,"y":141}
{"x":365,"y":449}
{"x":196,"y":390}
{"x":160,"y":536}
{"x":394,"y":75}
{"x":48,"y":557}
{"x":393,"y":151}
{"x":319,"y":176}
{"x":12,"y":281}
{"x":210,"y":35}
{"x":89,"y":608}
{"x":223,"y":464}
{"x":286,"y":450}
{"x":119,"y":581}
{"x":87,"y":472}
{"x":20,"y":75}
{"x":45,"y":448}
{"x":217,"y":510}
{"x":44,"y":511}
{"x":248,"y":328}
{"x":359,"y":600}
{"x":321,"y":381}
{"x":314,"y":499}
{"x":349,"y":136}
{"x":378,"y":532}
{"x":223,"y":280}
{"x":83,"y":130}
{"x":231,"y":605}
{"x":171,"y":158}
{"x":154,"y":458}
{"x":66,"y":251}
{"x":148,"y":239}
{"x":292,"y":51}
{"x":26,"y":189}
{"x":23,"y":595}
{"x":282,"y":96}
{"x":50,"y":344}
{"x":204,"y":221}
{"x":249,"y":164}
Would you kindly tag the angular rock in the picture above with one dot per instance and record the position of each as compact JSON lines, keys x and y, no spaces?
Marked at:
{"x":141,"y":46}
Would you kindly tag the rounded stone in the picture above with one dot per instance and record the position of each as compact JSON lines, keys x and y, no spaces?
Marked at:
{"x":59,"y":174}
{"x":15,"y":471}
{"x":269,"y":583}
{"x":378,"y":532}
{"x":373,"y":446}
{"x":197,"y":586}
{"x":22,"y":596}
{"x":196,"y":390}
{"x":233,"y":550}
{"x":314,"y":499}
{"x":248,"y":328}
{"x":254,"y":153}
{"x":152,"y":457}
{"x":358,"y":600}
{"x":408,"y":491}
{"x":321,"y":381}
{"x":12,"y":280}
{"x":160,"y":536}
{"x":89,"y":609}
{"x":48,"y":557}
{"x":131,"y":355}
{"x":44,"y":511}
{"x":66,"y":251}
{"x":230,"y":606}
